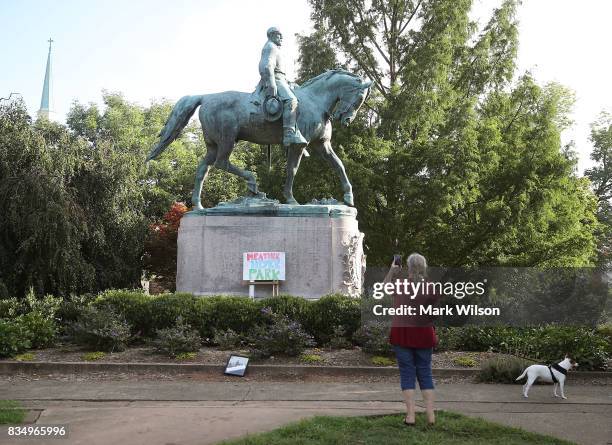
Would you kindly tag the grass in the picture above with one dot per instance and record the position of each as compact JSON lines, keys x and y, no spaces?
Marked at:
{"x":451,"y":428}
{"x":466,"y":362}
{"x":382,"y":361}
{"x":11,"y":412}
{"x":186,"y":356}
{"x":311,"y":358}
{"x":93,"y":356}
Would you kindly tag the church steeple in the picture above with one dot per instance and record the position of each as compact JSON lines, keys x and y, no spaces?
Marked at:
{"x":45,"y":101}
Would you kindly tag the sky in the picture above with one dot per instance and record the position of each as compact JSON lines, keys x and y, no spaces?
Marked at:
{"x":152,"y":49}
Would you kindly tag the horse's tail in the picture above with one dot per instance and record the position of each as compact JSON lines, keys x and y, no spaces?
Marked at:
{"x":179,"y":118}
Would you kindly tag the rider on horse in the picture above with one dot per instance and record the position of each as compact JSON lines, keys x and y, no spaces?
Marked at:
{"x":274,"y":84}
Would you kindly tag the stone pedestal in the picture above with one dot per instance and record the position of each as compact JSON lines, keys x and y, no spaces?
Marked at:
{"x":322,"y":244}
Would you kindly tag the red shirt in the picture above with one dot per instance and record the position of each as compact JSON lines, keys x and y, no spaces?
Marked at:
{"x":413,"y":336}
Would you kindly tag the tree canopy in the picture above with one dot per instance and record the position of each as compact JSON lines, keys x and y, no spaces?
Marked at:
{"x":454,"y":156}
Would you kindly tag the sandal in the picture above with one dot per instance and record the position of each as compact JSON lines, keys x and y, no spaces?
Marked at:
{"x":408,"y":423}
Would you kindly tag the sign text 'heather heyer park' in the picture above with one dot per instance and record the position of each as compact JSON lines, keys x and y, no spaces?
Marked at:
{"x":263,"y":266}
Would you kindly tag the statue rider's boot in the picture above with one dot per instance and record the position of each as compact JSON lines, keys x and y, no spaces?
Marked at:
{"x":292,"y":136}
{"x":291,"y":132}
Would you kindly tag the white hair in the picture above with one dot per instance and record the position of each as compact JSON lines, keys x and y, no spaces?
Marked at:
{"x":417,"y":266}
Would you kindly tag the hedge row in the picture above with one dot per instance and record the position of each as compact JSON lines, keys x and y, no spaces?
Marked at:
{"x":146,"y":313}
{"x":34,"y":322}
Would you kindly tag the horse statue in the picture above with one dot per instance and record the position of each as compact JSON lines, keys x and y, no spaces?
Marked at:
{"x":232,"y":116}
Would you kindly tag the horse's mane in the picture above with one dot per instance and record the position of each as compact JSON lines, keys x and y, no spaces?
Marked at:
{"x":326,"y":75}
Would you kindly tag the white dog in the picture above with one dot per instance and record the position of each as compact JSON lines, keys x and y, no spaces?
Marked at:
{"x":551,"y":374}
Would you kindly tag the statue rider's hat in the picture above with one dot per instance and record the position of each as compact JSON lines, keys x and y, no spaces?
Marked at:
{"x":272,"y":30}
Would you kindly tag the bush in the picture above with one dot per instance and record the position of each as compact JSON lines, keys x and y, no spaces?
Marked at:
{"x":177,"y":339}
{"x":373,"y":337}
{"x":330,"y":311}
{"x":605,"y":332}
{"x":72,"y":307}
{"x":448,"y":338}
{"x":133,"y":306}
{"x":502,"y":370}
{"x":101,"y":328}
{"x":279,"y":335}
{"x":296,"y":308}
{"x":339,"y":339}
{"x":14,"y":338}
{"x":221,"y":313}
{"x":227,"y":340}
{"x":40,"y":329}
{"x":544,"y":343}
{"x":166,"y":309}
{"x":10,"y":308}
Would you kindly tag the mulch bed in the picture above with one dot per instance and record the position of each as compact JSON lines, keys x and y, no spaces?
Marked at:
{"x":215,"y":356}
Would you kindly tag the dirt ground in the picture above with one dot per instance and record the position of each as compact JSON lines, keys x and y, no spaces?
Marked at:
{"x":216,"y":356}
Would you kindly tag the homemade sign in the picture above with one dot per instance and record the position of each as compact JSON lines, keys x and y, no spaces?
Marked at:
{"x":263,"y":266}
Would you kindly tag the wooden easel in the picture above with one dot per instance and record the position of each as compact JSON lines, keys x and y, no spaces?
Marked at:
{"x":275,"y":287}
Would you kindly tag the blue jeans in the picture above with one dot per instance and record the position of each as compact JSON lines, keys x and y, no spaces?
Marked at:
{"x":414,"y":364}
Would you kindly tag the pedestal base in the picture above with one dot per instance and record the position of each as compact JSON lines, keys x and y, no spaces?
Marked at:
{"x":322,"y":244}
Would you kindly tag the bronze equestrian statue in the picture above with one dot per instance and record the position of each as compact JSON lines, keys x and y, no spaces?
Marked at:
{"x":307,"y":112}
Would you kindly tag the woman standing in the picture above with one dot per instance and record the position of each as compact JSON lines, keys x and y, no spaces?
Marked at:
{"x":413,"y":341}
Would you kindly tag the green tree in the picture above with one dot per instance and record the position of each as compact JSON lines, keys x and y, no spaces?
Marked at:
{"x":78,"y":200}
{"x":601,"y":180}
{"x":463,"y":161}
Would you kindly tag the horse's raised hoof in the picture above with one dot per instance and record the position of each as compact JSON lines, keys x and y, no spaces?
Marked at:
{"x":348,"y":199}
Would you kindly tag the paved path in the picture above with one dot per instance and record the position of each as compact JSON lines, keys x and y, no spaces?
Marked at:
{"x":187,"y":412}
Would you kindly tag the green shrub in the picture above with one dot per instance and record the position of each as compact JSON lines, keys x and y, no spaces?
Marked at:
{"x":296,"y":308}
{"x":227,"y":340}
{"x":330,"y":311}
{"x":47,"y":306}
{"x":239,"y":314}
{"x":14,"y":338}
{"x":10,"y":308}
{"x":311,"y":358}
{"x":466,"y":362}
{"x":133,"y":306}
{"x":279,"y":335}
{"x":590,"y":348}
{"x":373,"y":337}
{"x":71,"y":308}
{"x":502,"y":370}
{"x":101,"y":328}
{"x":448,"y":338}
{"x":40,"y":328}
{"x":382,"y":361}
{"x":165,"y":309}
{"x":93,"y":356}
{"x":179,"y":338}
{"x":339,"y":339}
